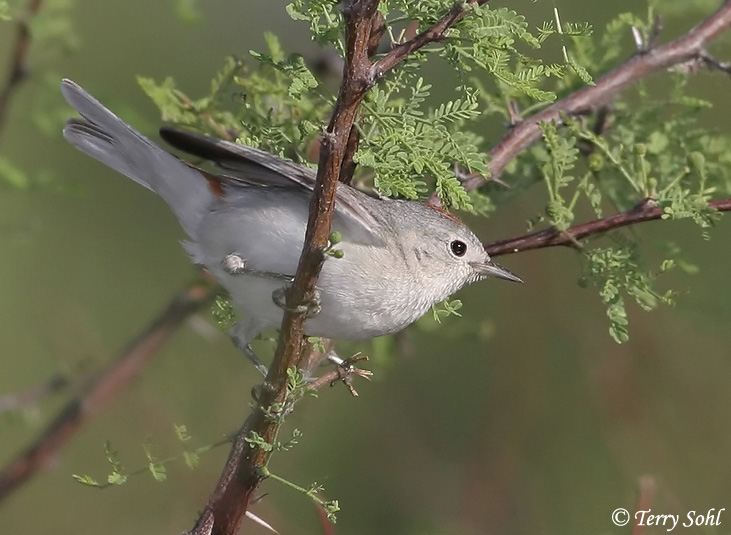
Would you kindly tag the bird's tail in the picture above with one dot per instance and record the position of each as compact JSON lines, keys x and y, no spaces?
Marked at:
{"x":104,"y":136}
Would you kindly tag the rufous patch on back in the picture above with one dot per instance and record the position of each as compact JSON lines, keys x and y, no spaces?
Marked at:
{"x":215,"y":184}
{"x":445,"y":213}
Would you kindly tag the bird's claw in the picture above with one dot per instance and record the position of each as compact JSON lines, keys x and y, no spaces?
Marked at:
{"x":347,"y":371}
{"x":311,"y":308}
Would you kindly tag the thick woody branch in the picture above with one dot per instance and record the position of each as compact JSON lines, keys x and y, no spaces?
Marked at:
{"x":242,"y":475}
{"x":645,"y":211}
{"x":18,"y":67}
{"x":103,"y":387}
{"x":689,"y":47}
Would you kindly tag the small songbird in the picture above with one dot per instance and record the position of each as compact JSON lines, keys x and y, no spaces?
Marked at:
{"x":247,"y":228}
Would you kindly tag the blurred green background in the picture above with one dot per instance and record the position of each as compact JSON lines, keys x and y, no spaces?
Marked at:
{"x":522,"y":417}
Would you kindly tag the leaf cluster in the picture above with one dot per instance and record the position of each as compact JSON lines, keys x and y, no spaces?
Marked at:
{"x":646,"y":147}
{"x":155,"y":466}
{"x":653,"y":152}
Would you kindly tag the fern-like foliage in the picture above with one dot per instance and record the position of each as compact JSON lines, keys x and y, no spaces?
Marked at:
{"x":646,"y":148}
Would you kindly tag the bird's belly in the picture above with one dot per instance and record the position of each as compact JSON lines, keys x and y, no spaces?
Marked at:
{"x":344,"y":314}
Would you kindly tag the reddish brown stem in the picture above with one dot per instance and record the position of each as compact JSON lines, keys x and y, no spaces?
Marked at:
{"x":242,"y":474}
{"x":103,"y":387}
{"x":435,"y":33}
{"x":646,"y":211}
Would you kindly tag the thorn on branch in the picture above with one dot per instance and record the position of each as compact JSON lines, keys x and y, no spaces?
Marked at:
{"x":713,"y":63}
{"x":644,"y":46}
{"x":655,"y":32}
{"x":514,"y":112}
{"x":639,"y":42}
{"x":462,"y":176}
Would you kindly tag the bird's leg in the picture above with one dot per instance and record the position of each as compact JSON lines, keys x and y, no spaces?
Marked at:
{"x":246,"y":350}
{"x":235,"y":264}
{"x":238,"y":334}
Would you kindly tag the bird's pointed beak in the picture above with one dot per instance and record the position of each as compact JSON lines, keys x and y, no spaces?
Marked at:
{"x":493,"y":269}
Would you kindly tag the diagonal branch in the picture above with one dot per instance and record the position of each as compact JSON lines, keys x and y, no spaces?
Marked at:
{"x":551,"y":237}
{"x":689,"y":47}
{"x":435,"y":33}
{"x":102,"y":388}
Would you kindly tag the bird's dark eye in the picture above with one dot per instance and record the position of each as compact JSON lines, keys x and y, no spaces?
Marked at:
{"x":459,"y":248}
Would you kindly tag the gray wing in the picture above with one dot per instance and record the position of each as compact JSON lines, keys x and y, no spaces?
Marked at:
{"x":250,"y":165}
{"x":243,"y":162}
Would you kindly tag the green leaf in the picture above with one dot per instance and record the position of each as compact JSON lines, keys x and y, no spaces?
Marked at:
{"x":116,"y":479}
{"x":86,"y":480}
{"x":156,"y":468}
{"x":255,"y":439}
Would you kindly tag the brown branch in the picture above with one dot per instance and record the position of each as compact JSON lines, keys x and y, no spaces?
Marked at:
{"x":102,"y":388}
{"x":242,"y":473}
{"x":645,"y":211}
{"x":686,"y":48}
{"x":435,"y":33}
{"x":18,"y":68}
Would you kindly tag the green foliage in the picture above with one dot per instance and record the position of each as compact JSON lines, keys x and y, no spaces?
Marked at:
{"x":448,"y":308}
{"x":654,"y":154}
{"x":616,"y":271}
{"x":191,"y":457}
{"x":402,"y":142}
{"x":562,"y":156}
{"x":312,"y":491}
{"x":154,"y":466}
{"x":646,"y":148}
{"x":258,"y":441}
{"x":333,"y":240}
{"x":279,"y":109}
{"x":325,"y":19}
{"x":223,"y":312}
{"x":117,"y":477}
{"x":317,"y":343}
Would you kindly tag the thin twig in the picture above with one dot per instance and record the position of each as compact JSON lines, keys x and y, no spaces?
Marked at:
{"x":435,"y":33}
{"x":102,"y":388}
{"x":18,"y":67}
{"x":645,"y":211}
